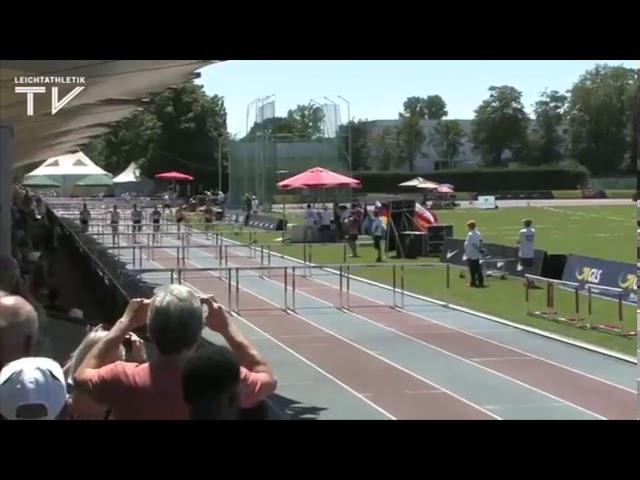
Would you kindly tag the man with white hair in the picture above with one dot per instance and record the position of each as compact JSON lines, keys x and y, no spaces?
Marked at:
{"x":32,"y":388}
{"x":18,"y":329}
{"x":152,"y":391}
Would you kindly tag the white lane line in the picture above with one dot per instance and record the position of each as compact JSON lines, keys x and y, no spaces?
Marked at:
{"x":297,"y":355}
{"x":489,"y":340}
{"x":360,"y":347}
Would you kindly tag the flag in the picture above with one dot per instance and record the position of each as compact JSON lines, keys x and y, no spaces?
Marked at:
{"x":424,"y":217}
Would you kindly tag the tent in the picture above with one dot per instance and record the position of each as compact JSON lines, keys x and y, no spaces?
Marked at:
{"x":67,"y":170}
{"x":132,"y":181}
{"x":40,"y":181}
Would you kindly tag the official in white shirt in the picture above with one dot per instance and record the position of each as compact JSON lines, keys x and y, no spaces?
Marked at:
{"x":325,"y":223}
{"x":526,"y":246}
{"x":377,"y":232}
{"x":473,"y":251}
{"x":310,"y":219}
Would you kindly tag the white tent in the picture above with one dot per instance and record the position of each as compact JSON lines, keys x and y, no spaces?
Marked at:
{"x":67,"y":170}
{"x":131,"y":180}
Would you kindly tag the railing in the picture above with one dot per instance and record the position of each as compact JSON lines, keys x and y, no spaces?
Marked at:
{"x":290,"y":274}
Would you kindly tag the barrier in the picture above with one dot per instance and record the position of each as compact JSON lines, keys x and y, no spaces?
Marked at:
{"x":234,"y":277}
{"x":612,"y":323}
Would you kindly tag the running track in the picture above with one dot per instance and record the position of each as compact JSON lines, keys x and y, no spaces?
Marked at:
{"x":423,"y":362}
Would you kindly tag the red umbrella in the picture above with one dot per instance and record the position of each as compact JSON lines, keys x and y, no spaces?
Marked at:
{"x":318,"y":178}
{"x":174,"y":176}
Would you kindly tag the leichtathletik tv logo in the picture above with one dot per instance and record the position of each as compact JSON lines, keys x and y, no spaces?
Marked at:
{"x":36,"y":85}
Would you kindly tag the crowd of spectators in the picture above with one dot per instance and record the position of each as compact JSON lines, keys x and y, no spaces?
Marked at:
{"x":113,"y":373}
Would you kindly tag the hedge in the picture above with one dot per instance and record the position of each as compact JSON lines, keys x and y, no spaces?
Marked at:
{"x":479,"y":180}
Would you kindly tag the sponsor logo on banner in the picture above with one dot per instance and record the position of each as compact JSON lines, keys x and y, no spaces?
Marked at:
{"x":606,"y":273}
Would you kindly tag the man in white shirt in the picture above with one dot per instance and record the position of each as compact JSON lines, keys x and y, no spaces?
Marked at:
{"x":526,"y":247}
{"x":473,"y":251}
{"x":377,"y":232}
{"x":325,"y":223}
{"x":310,"y":219}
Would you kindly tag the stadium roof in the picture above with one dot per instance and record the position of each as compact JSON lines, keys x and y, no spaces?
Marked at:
{"x":114,"y":90}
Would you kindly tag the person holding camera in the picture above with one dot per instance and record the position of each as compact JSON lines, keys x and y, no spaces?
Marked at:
{"x":175,"y":318}
{"x":474,"y":251}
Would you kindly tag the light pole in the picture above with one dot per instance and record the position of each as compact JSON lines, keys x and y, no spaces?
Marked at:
{"x":348,"y":126}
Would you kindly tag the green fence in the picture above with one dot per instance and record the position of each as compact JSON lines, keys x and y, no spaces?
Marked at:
{"x":257,"y":166}
{"x":614,"y":183}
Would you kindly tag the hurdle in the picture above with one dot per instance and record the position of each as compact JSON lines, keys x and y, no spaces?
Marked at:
{"x":233,"y":275}
{"x":615,"y":327}
{"x":498,"y":271}
{"x":550,"y":313}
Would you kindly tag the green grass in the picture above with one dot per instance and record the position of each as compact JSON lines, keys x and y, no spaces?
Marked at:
{"x":597,"y":231}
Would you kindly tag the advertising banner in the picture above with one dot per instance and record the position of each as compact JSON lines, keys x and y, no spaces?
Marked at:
{"x":606,"y":273}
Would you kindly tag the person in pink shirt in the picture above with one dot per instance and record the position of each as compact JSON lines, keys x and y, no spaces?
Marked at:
{"x":152,"y":390}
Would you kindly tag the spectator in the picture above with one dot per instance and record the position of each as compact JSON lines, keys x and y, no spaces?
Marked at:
{"x":53,"y":305}
{"x":152,"y":390}
{"x":325,"y":223}
{"x":377,"y":232}
{"x":310,"y":219}
{"x":81,"y":407}
{"x":474,"y":250}
{"x":32,"y":388}
{"x":353,"y":228}
{"x":9,"y":273}
{"x":210,"y":384}
{"x":18,"y":329}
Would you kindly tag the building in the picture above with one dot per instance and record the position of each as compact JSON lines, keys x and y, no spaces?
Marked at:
{"x":428,"y":160}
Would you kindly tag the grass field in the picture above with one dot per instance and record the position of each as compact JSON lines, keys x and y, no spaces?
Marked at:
{"x":603,"y":232}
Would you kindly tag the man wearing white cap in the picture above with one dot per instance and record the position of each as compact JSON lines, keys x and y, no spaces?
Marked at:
{"x":32,"y":388}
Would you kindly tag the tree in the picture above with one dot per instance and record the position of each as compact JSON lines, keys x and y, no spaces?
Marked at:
{"x":272,"y":126}
{"x":435,"y":107}
{"x":547,"y":144}
{"x":360,"y":148}
{"x":447,"y":138}
{"x":179,"y":128}
{"x":307,"y":120}
{"x":500,"y":124}
{"x":600,"y":114}
{"x":387,"y":151}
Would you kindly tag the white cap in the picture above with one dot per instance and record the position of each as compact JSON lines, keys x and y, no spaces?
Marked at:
{"x":76,"y":313}
{"x":32,"y":381}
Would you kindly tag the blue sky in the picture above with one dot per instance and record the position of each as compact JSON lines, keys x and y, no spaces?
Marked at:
{"x":377,"y":89}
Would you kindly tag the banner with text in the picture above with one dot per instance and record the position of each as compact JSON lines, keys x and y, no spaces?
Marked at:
{"x":606,"y":273}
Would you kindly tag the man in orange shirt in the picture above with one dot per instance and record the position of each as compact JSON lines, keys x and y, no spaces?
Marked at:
{"x":152,"y":391}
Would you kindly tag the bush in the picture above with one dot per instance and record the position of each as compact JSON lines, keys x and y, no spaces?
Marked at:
{"x":479,"y":180}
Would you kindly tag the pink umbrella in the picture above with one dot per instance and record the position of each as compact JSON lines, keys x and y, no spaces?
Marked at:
{"x":174,"y":176}
{"x":444,"y":189}
{"x":318,"y":178}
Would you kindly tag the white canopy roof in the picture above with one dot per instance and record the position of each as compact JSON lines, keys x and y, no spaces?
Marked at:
{"x":73,"y":164}
{"x":131,"y":174}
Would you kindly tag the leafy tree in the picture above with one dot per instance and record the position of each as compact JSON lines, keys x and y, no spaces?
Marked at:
{"x":446,"y":138}
{"x":500,"y":124}
{"x":387,"y":150}
{"x":546,"y":144}
{"x":435,"y":107}
{"x":360,"y":148}
{"x":307,"y":120}
{"x":600,"y":114}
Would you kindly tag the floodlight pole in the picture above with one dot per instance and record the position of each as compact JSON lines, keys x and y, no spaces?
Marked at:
{"x":348,"y":127}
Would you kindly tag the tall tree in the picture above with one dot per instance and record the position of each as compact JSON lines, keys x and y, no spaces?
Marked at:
{"x":308,"y":120}
{"x":600,"y":118}
{"x":387,"y":150}
{"x":272,"y":126}
{"x":360,"y":148}
{"x":181,"y":128}
{"x":500,"y":124}
{"x":547,"y":144}
{"x":435,"y":107}
{"x":446,"y":138}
